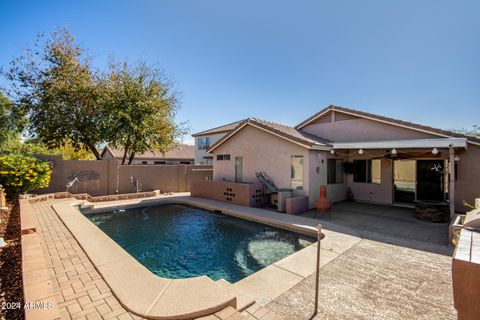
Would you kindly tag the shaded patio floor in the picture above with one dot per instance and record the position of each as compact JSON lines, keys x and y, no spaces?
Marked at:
{"x":390,"y":224}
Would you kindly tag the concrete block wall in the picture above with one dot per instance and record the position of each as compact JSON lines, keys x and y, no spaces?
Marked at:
{"x":99,"y":178}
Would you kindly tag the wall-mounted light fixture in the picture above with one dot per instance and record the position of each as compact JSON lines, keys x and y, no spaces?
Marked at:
{"x":457,"y":158}
{"x":394,"y":151}
{"x":435,"y":151}
{"x":360,"y":151}
{"x":332,"y":151}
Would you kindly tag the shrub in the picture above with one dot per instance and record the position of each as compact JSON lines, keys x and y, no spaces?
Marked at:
{"x":19,"y":174}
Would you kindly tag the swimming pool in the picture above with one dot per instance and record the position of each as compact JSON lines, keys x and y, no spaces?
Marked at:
{"x":178,"y":241}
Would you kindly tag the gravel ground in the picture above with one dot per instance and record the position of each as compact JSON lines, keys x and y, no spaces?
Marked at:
{"x":375,"y":280}
{"x":11,"y":266}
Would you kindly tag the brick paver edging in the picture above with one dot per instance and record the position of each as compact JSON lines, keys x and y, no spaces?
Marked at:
{"x":38,"y":288}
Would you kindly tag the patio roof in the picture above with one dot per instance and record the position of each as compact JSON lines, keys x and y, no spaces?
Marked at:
{"x":410,"y":144}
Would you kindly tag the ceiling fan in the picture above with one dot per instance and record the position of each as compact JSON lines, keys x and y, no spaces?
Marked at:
{"x":392,"y":154}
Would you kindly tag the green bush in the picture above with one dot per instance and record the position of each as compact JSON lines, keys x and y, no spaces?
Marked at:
{"x":19,"y":174}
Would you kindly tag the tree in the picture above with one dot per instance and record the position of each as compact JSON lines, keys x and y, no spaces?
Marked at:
{"x":9,"y":132}
{"x":55,"y":86}
{"x":33,"y":147}
{"x":474,"y":132}
{"x":141,"y":108}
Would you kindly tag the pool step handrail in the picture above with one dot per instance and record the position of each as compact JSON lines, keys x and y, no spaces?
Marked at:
{"x":266,"y":181}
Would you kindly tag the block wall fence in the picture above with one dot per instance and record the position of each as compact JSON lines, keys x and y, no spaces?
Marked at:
{"x":107,"y":177}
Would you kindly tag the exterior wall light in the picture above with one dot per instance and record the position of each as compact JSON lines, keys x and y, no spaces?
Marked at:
{"x":457,"y":158}
{"x":360,"y":151}
{"x":332,"y":151}
{"x":394,"y":151}
{"x":435,"y":151}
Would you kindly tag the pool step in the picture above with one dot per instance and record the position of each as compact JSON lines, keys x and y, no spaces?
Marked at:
{"x":243,"y":300}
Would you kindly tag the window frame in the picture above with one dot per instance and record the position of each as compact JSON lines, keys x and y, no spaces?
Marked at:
{"x":332,"y":165}
{"x":203,"y":143}
{"x":366,"y":174}
{"x":223,"y":157}
{"x":292,"y":172}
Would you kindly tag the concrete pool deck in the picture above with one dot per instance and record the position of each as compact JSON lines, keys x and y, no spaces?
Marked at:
{"x":112,"y":271}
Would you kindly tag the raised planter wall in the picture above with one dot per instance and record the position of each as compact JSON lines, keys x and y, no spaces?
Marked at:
{"x":245,"y":194}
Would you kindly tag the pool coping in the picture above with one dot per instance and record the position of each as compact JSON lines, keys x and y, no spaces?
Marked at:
{"x":148,"y":295}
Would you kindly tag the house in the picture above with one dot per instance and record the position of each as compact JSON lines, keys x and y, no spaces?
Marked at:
{"x":205,"y":139}
{"x":182,"y":154}
{"x":355,"y":154}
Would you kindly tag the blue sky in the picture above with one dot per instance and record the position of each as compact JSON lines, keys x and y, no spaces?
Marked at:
{"x":281,"y":60}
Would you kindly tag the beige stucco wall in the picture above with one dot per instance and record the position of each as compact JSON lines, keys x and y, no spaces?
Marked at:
{"x":335,"y":192}
{"x":361,"y":129}
{"x":95,"y":175}
{"x":382,"y":192}
{"x":199,"y":154}
{"x":261,"y":151}
{"x":100,"y":177}
{"x":467,"y":186}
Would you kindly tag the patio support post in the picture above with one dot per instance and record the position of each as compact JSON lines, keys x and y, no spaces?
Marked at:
{"x":451,"y":174}
{"x":317,"y":273}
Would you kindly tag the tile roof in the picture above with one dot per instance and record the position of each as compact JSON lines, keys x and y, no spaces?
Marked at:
{"x":182,"y":151}
{"x":224,"y":128}
{"x":412,"y":125}
{"x":282,"y":130}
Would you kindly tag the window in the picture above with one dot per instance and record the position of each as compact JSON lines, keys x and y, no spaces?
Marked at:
{"x":297,"y":173}
{"x":185,"y":162}
{"x":238,"y":169}
{"x":203,"y":143}
{"x":144,"y":162}
{"x":367,"y":171}
{"x":160,"y":162}
{"x":223,"y":157}
{"x":334,"y":171}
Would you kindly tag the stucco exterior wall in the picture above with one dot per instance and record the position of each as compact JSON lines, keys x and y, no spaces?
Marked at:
{"x":261,"y":151}
{"x":335,"y":192}
{"x":200,"y":154}
{"x":361,"y":129}
{"x":467,"y":185}
{"x":381,"y":193}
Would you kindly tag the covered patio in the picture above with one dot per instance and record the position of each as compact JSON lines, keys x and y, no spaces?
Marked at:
{"x":384,"y":223}
{"x":410,"y":172}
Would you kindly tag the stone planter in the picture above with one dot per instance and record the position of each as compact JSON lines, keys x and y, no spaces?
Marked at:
{"x":432,"y":211}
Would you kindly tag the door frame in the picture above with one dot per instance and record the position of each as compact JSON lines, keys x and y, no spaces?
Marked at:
{"x":445,"y":177}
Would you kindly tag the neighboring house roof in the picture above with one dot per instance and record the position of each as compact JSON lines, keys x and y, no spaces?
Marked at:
{"x":283,"y":131}
{"x":221,"y":129}
{"x":182,"y":151}
{"x":392,"y":121}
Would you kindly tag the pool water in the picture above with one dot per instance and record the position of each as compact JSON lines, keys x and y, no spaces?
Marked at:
{"x":177,"y":241}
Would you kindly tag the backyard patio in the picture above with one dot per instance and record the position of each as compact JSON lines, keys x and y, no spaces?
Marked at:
{"x":384,"y":223}
{"x":377,"y":262}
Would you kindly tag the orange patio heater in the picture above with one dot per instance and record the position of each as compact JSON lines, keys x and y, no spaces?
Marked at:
{"x":323,"y":204}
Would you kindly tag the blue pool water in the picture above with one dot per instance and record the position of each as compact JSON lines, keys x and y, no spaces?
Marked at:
{"x":177,"y":241}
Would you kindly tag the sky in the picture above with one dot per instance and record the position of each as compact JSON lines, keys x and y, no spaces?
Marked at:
{"x":278,"y":60}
